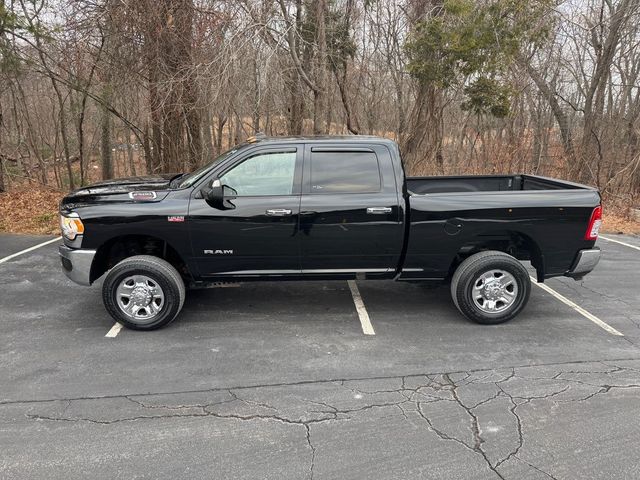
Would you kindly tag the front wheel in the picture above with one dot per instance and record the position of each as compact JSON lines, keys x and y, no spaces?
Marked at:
{"x":490,"y":287}
{"x":143,"y":292}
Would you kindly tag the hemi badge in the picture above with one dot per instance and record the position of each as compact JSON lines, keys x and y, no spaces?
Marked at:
{"x":175,"y":218}
{"x":142,"y":195}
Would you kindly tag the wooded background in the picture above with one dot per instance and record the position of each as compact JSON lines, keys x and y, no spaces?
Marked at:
{"x":94,"y":89}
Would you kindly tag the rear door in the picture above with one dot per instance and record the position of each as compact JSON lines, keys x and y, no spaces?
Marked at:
{"x":350,"y":217}
{"x":259,"y":235}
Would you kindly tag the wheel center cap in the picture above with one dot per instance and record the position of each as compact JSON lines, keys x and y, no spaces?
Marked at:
{"x":493,"y":291}
{"x":141,"y":296}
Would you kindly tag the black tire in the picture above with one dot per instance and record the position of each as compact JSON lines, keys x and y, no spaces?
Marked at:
{"x":468,"y":274}
{"x":159,"y":272}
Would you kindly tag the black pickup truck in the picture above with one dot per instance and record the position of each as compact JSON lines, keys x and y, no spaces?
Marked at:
{"x":306,"y":208}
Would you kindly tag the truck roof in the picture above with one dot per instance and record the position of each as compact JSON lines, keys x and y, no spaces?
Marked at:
{"x":319,"y":139}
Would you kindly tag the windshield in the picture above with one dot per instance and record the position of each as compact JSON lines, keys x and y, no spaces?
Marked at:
{"x":191,"y":178}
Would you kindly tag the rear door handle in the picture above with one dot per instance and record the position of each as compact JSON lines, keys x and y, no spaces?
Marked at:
{"x":278,"y":212}
{"x":378,"y":210}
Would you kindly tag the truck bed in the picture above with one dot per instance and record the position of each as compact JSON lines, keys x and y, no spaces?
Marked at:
{"x":486,"y":183}
{"x":448,"y":214}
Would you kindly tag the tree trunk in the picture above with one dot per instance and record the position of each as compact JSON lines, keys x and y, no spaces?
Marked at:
{"x":255,"y":119}
{"x":222,"y":119}
{"x":191,"y":103}
{"x":558,"y":112}
{"x":2,"y":184}
{"x":64,"y":135}
{"x":172,"y":141}
{"x":341,"y":69}
{"x":319,"y":95}
{"x":105,"y":142}
{"x":296,"y":105}
{"x":61,"y":113}
{"x":423,"y":142}
{"x":238,"y":132}
{"x":132,"y":165}
{"x":194,"y":138}
{"x":350,"y":120}
{"x":296,"y":109}
{"x":173,"y":90}
{"x":592,"y":151}
{"x":146,"y":145}
{"x":154,"y":142}
{"x":80,"y":133}
{"x":207,"y":144}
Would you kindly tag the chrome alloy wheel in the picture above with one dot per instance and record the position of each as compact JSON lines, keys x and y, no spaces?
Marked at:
{"x":140,"y":297}
{"x":495,"y":291}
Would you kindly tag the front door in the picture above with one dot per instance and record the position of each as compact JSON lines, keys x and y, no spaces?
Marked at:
{"x":258,"y":235}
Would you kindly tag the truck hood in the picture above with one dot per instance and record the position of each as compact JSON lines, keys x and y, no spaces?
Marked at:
{"x":152,"y":188}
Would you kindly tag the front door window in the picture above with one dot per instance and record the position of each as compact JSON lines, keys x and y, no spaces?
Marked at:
{"x":265,"y":174}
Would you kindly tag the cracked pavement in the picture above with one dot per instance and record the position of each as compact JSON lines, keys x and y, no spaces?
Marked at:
{"x":276,"y":381}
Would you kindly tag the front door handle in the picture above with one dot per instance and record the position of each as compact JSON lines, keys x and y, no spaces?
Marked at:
{"x":278,"y":212}
{"x":378,"y":210}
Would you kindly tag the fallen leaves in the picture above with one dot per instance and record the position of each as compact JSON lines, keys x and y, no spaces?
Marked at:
{"x":30,"y":209}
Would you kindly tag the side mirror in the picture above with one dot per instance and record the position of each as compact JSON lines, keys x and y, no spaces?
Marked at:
{"x":218,"y":195}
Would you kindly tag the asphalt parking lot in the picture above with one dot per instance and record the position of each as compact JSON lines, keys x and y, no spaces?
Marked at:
{"x":279,"y":380}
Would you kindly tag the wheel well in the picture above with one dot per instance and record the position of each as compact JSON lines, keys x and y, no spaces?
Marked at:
{"x":119,"y":248}
{"x":516,"y":244}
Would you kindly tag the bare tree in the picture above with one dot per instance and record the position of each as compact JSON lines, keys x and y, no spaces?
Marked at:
{"x":101,"y":89}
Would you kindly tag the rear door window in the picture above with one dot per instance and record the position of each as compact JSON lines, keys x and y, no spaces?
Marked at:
{"x":338,"y":171}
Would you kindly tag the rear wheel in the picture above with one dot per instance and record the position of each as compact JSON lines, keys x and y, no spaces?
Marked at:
{"x":143,"y":292}
{"x":490,"y":287}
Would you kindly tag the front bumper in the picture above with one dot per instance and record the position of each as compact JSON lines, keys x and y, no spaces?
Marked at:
{"x":585,"y":261}
{"x":76,"y":264}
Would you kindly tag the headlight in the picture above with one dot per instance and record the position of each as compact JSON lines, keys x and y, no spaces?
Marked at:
{"x":71,"y":226}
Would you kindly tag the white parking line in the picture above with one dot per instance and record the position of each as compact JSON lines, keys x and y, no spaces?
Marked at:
{"x":618,"y":241}
{"x":367,"y":328}
{"x":578,"y":309}
{"x":30,"y":249}
{"x":115,"y":330}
